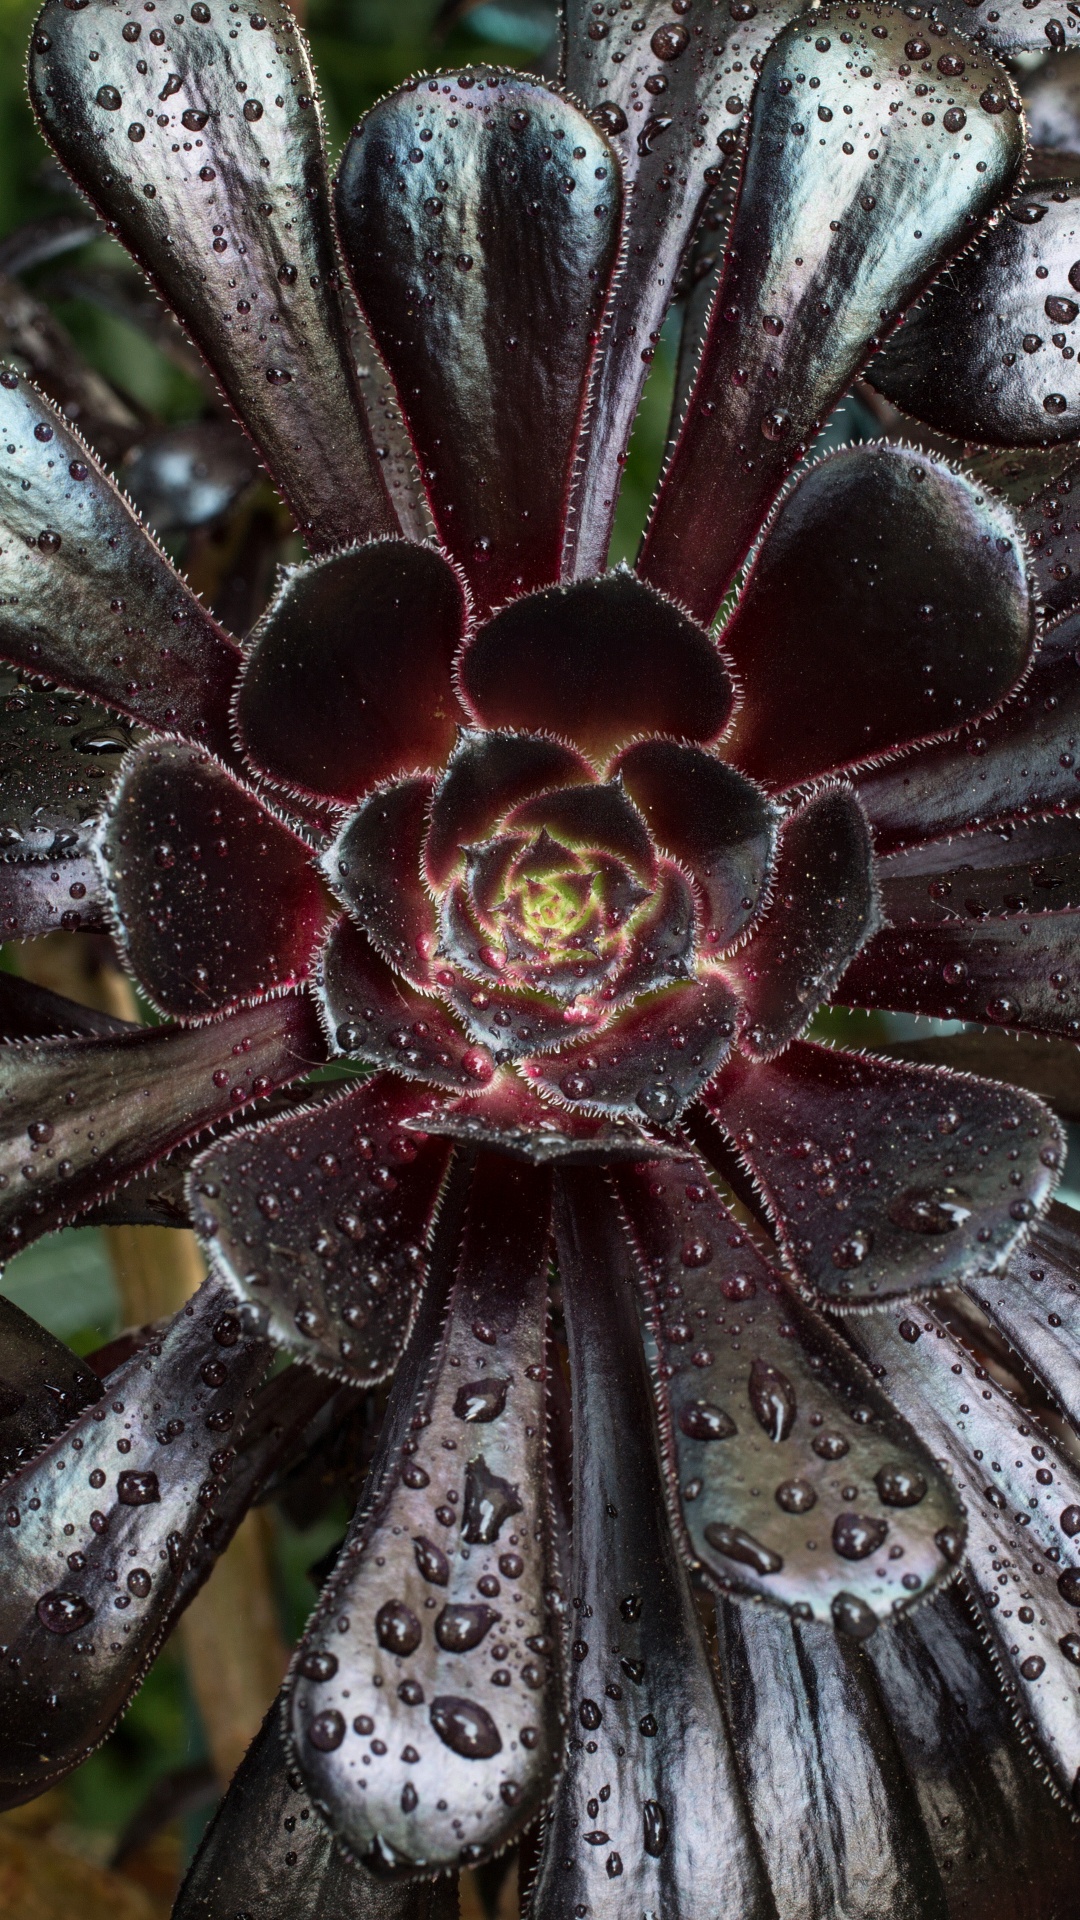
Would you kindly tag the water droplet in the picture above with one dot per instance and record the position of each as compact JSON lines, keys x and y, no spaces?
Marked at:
{"x":253,"y":110}
{"x":590,"y":1715}
{"x":704,"y":1422}
{"x":1069,"y":1586}
{"x":852,"y":1616}
{"x":796,"y":1496}
{"x":397,"y":1628}
{"x":465,"y":1727}
{"x":925,"y":1212}
{"x":735,"y":1544}
{"x":772,"y":1398}
{"x":1033,"y":1666}
{"x":432,"y":1561}
{"x":658,"y":1100}
{"x":900,"y":1486}
{"x":855,"y":1535}
{"x":64,"y":1612}
{"x":610,"y":117}
{"x":1070,"y":1647}
{"x":137,"y":1489}
{"x":1070,"y":1521}
{"x":327,"y":1730}
{"x":109,"y":98}
{"x":853,"y":1251}
{"x":489,"y":1501}
{"x":194,"y":119}
{"x":481,"y":1400}
{"x":656,"y":1828}
{"x":317,"y":1666}
{"x":670,"y":40}
{"x":139,"y":1582}
{"x":460,"y":1628}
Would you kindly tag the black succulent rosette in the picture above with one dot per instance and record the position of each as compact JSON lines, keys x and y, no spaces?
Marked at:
{"x":558,"y":864}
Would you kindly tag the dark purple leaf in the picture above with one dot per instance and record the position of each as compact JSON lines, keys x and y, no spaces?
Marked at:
{"x":1013,"y":1516}
{"x":1035,"y":1303}
{"x":650,"y":1060}
{"x":598,"y":818}
{"x":453,"y":1641}
{"x":348,"y":678}
{"x":710,"y":818}
{"x":1015,"y":27}
{"x":215,"y":899}
{"x":990,"y":353}
{"x":823,"y":910}
{"x":698,"y":72}
{"x":369,"y":1012}
{"x":597,"y":663}
{"x":483,"y":267}
{"x":61,"y":897}
{"x":1023,"y":761}
{"x":320,"y":1221}
{"x":29,"y":1012}
{"x":758,"y":1401}
{"x":232,"y":224}
{"x":88,"y":599}
{"x":1025,"y":866}
{"x":888,"y":576}
{"x":267,"y":1852}
{"x":83,"y":1612}
{"x":822,"y":1773}
{"x":488,"y":774}
{"x":1006,"y":1848}
{"x":871,"y":228}
{"x":375,"y":867}
{"x":510,"y":1119}
{"x":80,"y":1117}
{"x":647,"y":1725}
{"x":661,"y":950}
{"x":58,"y":754}
{"x":189,"y":476}
{"x":885,"y":1179}
{"x":510,"y":1022}
{"x":1049,"y":517}
{"x":43,"y":1386}
{"x":1021,"y":972}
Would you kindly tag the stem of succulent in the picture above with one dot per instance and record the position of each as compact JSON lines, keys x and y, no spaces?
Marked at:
{"x":231,"y":1635}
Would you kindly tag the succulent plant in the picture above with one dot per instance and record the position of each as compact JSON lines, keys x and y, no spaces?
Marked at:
{"x":698,"y":1531}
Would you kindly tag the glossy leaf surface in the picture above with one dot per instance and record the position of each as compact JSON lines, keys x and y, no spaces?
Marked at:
{"x":1020,"y":762}
{"x":1016,"y":28}
{"x":820,"y":1768}
{"x":649,"y":1816}
{"x":57,"y":755}
{"x":82,"y":1613}
{"x":1019,"y":971}
{"x":350,"y":1200}
{"x":1026,"y":866}
{"x":654,"y":1058}
{"x":267,"y":1852}
{"x":672,"y":96}
{"x":452,"y":1637}
{"x":89,"y":600}
{"x":232,"y":223}
{"x":873,"y":1173}
{"x":510,"y":1119}
{"x":823,"y":909}
{"x":597,"y":663}
{"x":983,"y":357}
{"x":803,"y":198}
{"x":347,"y":680}
{"x":42,"y":1387}
{"x":375,"y":869}
{"x":214,"y":898}
{"x":510,"y":236}
{"x":712,"y":820}
{"x":36,"y":899}
{"x":1035,"y":1303}
{"x":792,"y":1477}
{"x":1049,"y":517}
{"x":888,"y":576}
{"x":1013,"y":1515}
{"x":103,"y":1110}
{"x":489,"y":773}
{"x":369,"y":1013}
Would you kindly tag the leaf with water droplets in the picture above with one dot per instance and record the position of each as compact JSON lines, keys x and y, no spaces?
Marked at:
{"x":884,"y":1179}
{"x":1038,"y":484}
{"x":649,"y":1814}
{"x":1021,"y":761}
{"x":931,"y":625}
{"x":1012,"y":26}
{"x":510,"y":1119}
{"x":837,"y":1838}
{"x":1019,"y":971}
{"x":78,"y":1118}
{"x":869,"y":206}
{"x":133,"y":1478}
{"x":375,"y":868}
{"x":712,"y":820}
{"x":818,"y":1499}
{"x":480,"y":220}
{"x":990,"y":353}
{"x":320,"y":1221}
{"x":43,"y":1386}
{"x":488,"y":774}
{"x":36,"y":899}
{"x":651,"y":1060}
{"x":202,"y":141}
{"x":823,"y":910}
{"x":266,"y":1852}
{"x":400,"y":1650}
{"x":347,"y":676}
{"x":1018,"y":1488}
{"x":596,"y":663}
{"x":87,"y":597}
{"x":370,"y":1014}
{"x":1026,"y":866}
{"x":215,"y":899}
{"x":1035,"y":1303}
{"x":698,"y":72}
{"x":57,"y":755}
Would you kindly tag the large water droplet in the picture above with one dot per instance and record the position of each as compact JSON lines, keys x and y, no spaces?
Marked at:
{"x":900,"y":1486}
{"x":489,"y":1501}
{"x":772,"y":1397}
{"x":431,"y":1561}
{"x":137,"y":1489}
{"x":704,"y":1422}
{"x":397,"y":1628}
{"x":656,"y":1828}
{"x":64,"y":1612}
{"x":460,"y":1628}
{"x":735,"y":1544}
{"x":856,"y":1535}
{"x":481,"y":1400}
{"x":465,"y":1728}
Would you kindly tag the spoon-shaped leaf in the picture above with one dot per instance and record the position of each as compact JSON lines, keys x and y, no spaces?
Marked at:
{"x":368,"y":1012}
{"x":921,"y":1156}
{"x":427,"y":1725}
{"x":88,"y":599}
{"x":375,"y":869}
{"x":57,"y":755}
{"x":842,"y":217}
{"x":99,"y":1526}
{"x":1020,"y":970}
{"x":1030,"y":866}
{"x":199,"y":139}
{"x":792,"y":1478}
{"x":350,"y":1199}
{"x":651,"y":1060}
